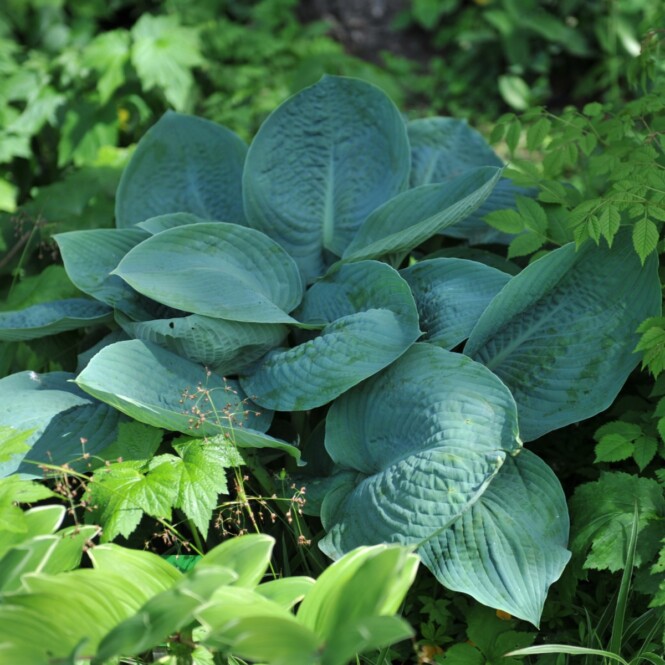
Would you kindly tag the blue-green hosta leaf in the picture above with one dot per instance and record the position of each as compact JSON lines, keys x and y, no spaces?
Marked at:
{"x":183,"y":164}
{"x":59,"y":422}
{"x":169,"y":221}
{"x":475,"y":230}
{"x":443,"y":148}
{"x":226,"y":347}
{"x":216,"y":269}
{"x":451,"y":294}
{"x":159,"y":388}
{"x":425,"y":437}
{"x":561,"y":334}
{"x":510,"y":546}
{"x":51,"y":318}
{"x":90,"y":256}
{"x":417,"y":214}
{"x":320,"y":164}
{"x":370,"y":320}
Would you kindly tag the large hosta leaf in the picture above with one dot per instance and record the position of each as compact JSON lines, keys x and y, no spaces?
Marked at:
{"x":451,"y":294}
{"x":510,"y":545}
{"x":227,"y":347}
{"x":159,"y":388}
{"x":183,"y":164}
{"x":425,"y":438}
{"x":417,"y":214}
{"x":216,"y":269}
{"x":56,"y":422}
{"x":561,"y":334}
{"x":370,"y":320}
{"x":442,"y":148}
{"x":50,"y":318}
{"x":320,"y":164}
{"x":90,"y":256}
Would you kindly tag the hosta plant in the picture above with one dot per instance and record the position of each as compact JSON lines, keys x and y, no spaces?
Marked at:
{"x":293,"y":276}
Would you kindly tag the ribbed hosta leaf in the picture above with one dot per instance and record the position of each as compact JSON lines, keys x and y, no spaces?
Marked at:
{"x":90,"y":256}
{"x":510,"y":546}
{"x":320,"y":164}
{"x":227,"y":347}
{"x":159,"y":388}
{"x":51,"y":318}
{"x":183,"y":164}
{"x":169,"y":221}
{"x":442,"y":148}
{"x":218,"y":270}
{"x":561,"y":334}
{"x":417,"y":214}
{"x":370,"y":320}
{"x":425,"y":437}
{"x":57,"y":421}
{"x":451,"y":294}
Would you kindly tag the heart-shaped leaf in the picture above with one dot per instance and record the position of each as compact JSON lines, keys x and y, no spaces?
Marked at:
{"x":426,"y":436}
{"x":320,"y":164}
{"x":226,"y":347}
{"x":51,"y":318}
{"x":561,"y":334}
{"x":451,"y":294}
{"x":417,"y":214}
{"x":159,"y":388}
{"x":183,"y":164}
{"x":218,"y":270}
{"x":57,"y":422}
{"x":443,"y":148}
{"x":370,"y":320}
{"x":510,"y":546}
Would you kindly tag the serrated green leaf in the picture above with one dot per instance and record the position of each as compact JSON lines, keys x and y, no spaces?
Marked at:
{"x":525,"y":244}
{"x":164,"y":53}
{"x":613,"y":448}
{"x":533,"y":214}
{"x":507,"y":221}
{"x":202,"y":477}
{"x":537,"y":133}
{"x":107,"y":54}
{"x":609,"y":221}
{"x":603,"y":512}
{"x":645,"y":451}
{"x":121,"y":493}
{"x":645,"y":238}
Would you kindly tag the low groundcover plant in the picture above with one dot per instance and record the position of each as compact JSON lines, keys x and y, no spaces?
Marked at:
{"x":315,"y":288}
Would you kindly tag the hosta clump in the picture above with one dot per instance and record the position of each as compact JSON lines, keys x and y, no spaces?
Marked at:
{"x":297,"y":270}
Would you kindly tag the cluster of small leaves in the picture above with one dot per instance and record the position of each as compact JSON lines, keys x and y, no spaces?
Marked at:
{"x":603,"y":166}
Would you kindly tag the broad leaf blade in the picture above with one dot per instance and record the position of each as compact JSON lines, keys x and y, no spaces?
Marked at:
{"x":370,"y":319}
{"x":183,"y":164}
{"x":417,"y":214}
{"x":510,"y":546}
{"x":320,"y":164}
{"x":561,"y":334}
{"x":61,"y":423}
{"x":226,"y":347}
{"x":426,"y":437}
{"x":218,"y":270}
{"x":451,"y":294}
{"x":51,"y":318}
{"x":159,"y":388}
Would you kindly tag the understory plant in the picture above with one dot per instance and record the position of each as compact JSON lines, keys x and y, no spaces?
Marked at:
{"x":134,"y":604}
{"x":291,"y":298}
